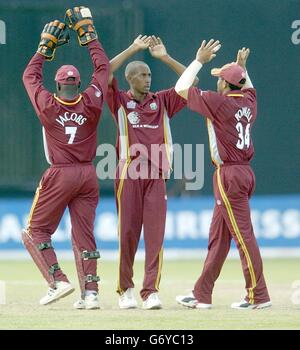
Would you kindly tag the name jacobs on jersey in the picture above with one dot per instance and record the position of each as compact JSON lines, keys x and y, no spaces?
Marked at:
{"x":67,"y":116}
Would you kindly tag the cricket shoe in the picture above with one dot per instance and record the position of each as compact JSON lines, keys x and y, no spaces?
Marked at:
{"x":127,"y":299}
{"x":90,"y":302}
{"x":61,"y":290}
{"x":191,"y":302}
{"x":245,"y":305}
{"x":152,"y":302}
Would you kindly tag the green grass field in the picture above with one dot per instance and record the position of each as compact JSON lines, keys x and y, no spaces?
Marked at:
{"x":24,"y":287}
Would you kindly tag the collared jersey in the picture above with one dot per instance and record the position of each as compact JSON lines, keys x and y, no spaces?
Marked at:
{"x":69,"y":128}
{"x":142,"y":125}
{"x":230,"y":118}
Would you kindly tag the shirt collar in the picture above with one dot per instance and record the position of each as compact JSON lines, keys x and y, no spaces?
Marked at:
{"x":68,"y":103}
{"x":149,"y":96}
{"x":235,"y":93}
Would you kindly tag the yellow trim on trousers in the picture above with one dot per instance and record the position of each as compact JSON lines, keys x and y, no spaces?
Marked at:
{"x":160,"y":261}
{"x":239,"y":236}
{"x":35,"y":199}
{"x":119,"y":193}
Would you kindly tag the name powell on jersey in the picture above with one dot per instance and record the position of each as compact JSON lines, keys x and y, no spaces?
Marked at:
{"x":79,"y":119}
{"x":243,"y":112}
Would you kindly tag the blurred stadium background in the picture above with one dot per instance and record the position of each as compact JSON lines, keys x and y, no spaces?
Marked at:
{"x":268,"y":28}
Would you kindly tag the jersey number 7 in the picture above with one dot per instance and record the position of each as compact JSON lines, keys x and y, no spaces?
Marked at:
{"x":71,"y":130}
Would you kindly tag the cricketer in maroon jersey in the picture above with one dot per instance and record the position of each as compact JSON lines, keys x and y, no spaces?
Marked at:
{"x":143,"y":122}
{"x":70,"y":140}
{"x":230,"y":114}
{"x":57,"y":116}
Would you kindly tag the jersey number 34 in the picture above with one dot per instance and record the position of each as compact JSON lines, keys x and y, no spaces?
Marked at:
{"x":244,"y":136}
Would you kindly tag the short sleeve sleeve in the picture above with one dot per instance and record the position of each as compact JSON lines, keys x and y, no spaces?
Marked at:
{"x":205,"y":103}
{"x":173,"y":102}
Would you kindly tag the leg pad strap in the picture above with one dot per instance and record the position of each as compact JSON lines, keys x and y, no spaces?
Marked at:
{"x":53,"y":268}
{"x":43,"y":246}
{"x":92,"y":278}
{"x":90,"y":255}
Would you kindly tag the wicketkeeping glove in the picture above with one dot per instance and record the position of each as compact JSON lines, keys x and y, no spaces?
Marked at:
{"x":53,"y":35}
{"x":80,"y":19}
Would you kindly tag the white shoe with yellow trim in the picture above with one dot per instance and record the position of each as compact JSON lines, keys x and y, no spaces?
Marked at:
{"x":245,"y":305}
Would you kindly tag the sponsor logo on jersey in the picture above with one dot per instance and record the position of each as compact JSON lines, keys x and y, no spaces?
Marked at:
{"x":131,"y":105}
{"x":133,"y":118}
{"x":153,"y":106}
{"x":145,"y":126}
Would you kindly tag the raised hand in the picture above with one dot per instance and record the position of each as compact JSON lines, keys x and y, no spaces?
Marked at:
{"x":242,"y":57}
{"x":207,"y":51}
{"x":54,"y":34}
{"x":81,"y":21}
{"x":157,"y":48}
{"x":142,"y":42}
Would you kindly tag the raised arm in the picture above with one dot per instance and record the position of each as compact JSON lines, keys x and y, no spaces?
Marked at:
{"x":52,"y":36}
{"x":101,"y":65}
{"x":158,"y":50}
{"x":80,"y":19}
{"x":33,"y":79}
{"x":142,"y":42}
{"x":241,"y":60}
{"x":205,"y":54}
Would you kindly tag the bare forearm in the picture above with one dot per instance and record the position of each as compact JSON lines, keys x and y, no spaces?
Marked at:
{"x":117,"y":61}
{"x":248,"y":84}
{"x":176,"y":66}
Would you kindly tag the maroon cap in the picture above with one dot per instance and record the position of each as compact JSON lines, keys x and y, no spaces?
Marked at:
{"x":231,"y":72}
{"x":65,"y":72}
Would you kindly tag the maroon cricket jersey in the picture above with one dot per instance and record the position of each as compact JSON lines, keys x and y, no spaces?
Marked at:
{"x":230,"y":118}
{"x":69,"y":128}
{"x":144,"y":123}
